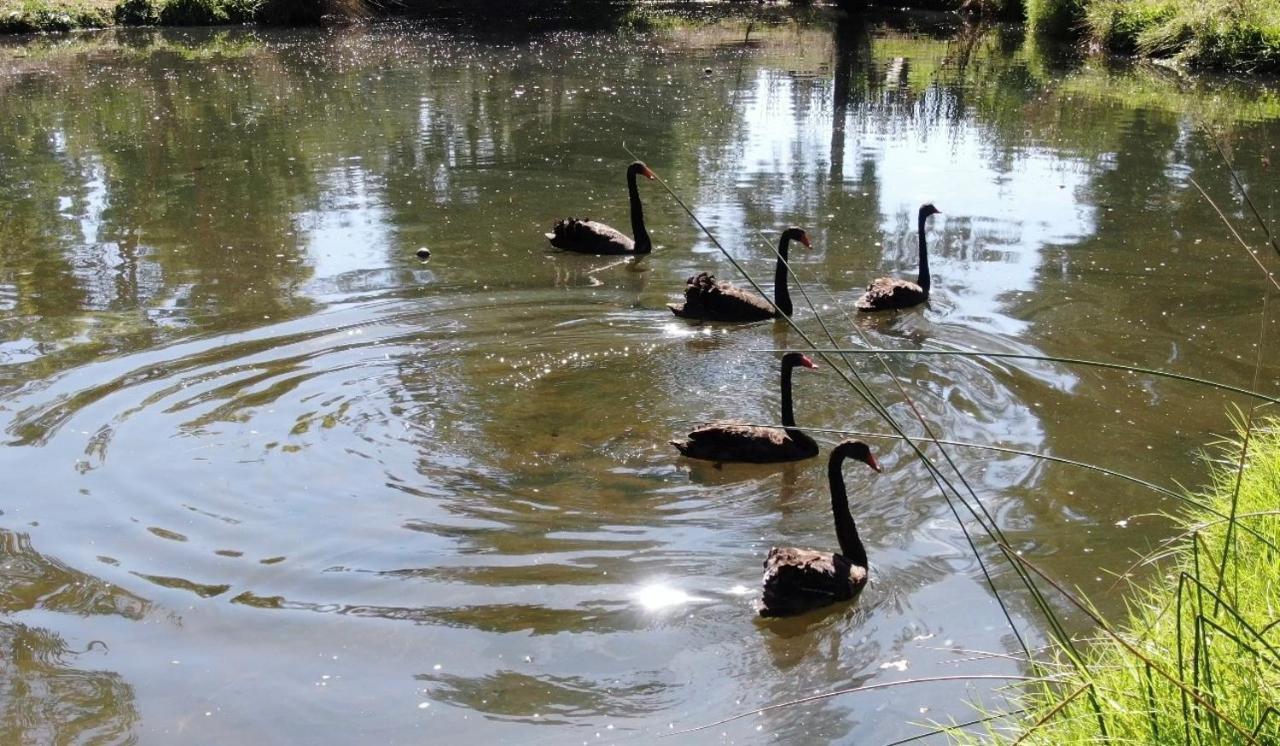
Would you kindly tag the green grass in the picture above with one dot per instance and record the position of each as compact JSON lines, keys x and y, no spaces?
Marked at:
{"x":1198,"y":660}
{"x":1227,"y":34}
{"x":17,"y":16}
{"x":1054,"y":17}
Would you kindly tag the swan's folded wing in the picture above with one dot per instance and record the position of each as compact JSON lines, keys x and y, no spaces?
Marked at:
{"x":584,"y":234}
{"x":710,"y":298}
{"x":889,"y":292}
{"x":738,"y":432}
{"x":796,"y":580}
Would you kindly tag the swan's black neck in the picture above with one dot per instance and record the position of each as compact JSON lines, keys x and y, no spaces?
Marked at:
{"x":781,"y":294}
{"x":846,"y":531}
{"x":788,"y":416}
{"x":641,"y":236}
{"x":923,"y":279}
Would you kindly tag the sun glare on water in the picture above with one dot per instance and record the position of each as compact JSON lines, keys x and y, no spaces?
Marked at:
{"x":657,"y":597}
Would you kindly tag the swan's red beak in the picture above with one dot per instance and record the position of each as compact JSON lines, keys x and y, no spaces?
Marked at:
{"x":871,"y":461}
{"x":804,"y":239}
{"x":648,"y":174}
{"x":807,"y":362}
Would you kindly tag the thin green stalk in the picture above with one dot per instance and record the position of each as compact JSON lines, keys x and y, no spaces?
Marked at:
{"x":1070,"y":462}
{"x":1252,"y":254}
{"x":1257,"y":215}
{"x":1182,"y":664}
{"x":1263,"y":720}
{"x":1047,"y":359}
{"x":1169,"y":543}
{"x":1244,"y":453}
{"x":855,"y":690}
{"x":879,"y":408}
{"x":1236,"y":615}
{"x":991,"y":527}
{"x":1257,"y":654}
{"x":1119,"y":639}
{"x":1051,"y":713}
{"x":955,"y":727}
{"x":1018,"y":452}
{"x":1151,"y":703}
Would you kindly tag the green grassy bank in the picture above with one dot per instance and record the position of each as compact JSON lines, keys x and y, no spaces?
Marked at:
{"x":62,"y":15}
{"x":1198,"y":660}
{"x":1241,"y":35}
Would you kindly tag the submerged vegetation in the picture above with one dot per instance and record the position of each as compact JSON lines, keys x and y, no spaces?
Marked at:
{"x":1197,"y":660}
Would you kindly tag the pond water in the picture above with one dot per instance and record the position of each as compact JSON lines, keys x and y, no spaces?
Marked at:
{"x":271,"y":478}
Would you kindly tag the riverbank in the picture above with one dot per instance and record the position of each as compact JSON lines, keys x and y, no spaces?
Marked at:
{"x":1197,"y":660}
{"x":19,"y":16}
{"x":1236,"y":35}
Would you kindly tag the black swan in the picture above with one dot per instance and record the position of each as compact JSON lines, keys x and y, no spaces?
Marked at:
{"x":797,"y":580}
{"x":888,"y":293}
{"x":705,"y":297}
{"x":739,"y":443}
{"x":586,"y":236}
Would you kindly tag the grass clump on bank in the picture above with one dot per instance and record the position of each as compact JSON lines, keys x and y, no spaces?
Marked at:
{"x":1223,"y":34}
{"x":1207,"y":635}
{"x":18,"y":16}
{"x":1055,"y":17}
{"x":185,"y":12}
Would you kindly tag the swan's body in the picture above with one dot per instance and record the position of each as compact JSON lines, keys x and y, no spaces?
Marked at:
{"x":737,"y":442}
{"x":798,"y":580}
{"x":586,"y":236}
{"x":710,"y":299}
{"x":887,"y":293}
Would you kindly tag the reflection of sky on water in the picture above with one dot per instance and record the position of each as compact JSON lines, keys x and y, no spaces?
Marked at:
{"x":349,"y":240}
{"x":1012,"y":203}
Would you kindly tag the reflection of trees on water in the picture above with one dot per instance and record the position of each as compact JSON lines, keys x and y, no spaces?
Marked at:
{"x":42,"y":697}
{"x":32,"y":580}
{"x":852,"y":52}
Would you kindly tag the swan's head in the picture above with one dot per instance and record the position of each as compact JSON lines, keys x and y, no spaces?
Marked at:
{"x":792,"y":359}
{"x":928,"y":209}
{"x":797,"y":234}
{"x":855,"y":449}
{"x":639,"y":168}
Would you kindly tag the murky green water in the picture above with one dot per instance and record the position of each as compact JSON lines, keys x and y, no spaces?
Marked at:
{"x":302,"y":486}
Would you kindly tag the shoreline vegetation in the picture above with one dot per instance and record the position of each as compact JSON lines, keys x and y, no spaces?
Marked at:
{"x":1228,"y":35}
{"x":1196,"y":661}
